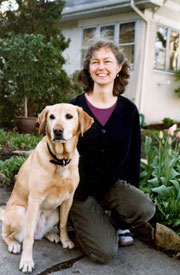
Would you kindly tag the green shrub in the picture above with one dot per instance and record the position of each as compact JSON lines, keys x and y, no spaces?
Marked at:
{"x":14,"y":141}
{"x":160,"y":177}
{"x":31,"y":62}
{"x":10,"y":167}
{"x":168,"y":122}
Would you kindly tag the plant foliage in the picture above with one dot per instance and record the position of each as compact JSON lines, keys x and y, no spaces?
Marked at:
{"x":10,"y":141}
{"x":160,"y":177}
{"x":31,"y":68}
{"x":31,"y":60}
{"x":10,"y":167}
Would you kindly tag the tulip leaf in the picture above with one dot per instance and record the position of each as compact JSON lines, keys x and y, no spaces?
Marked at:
{"x":163,"y":180}
{"x":177,"y":222}
{"x":163,"y":190}
{"x":176,"y":184}
{"x":173,"y":174}
{"x":154,"y":182}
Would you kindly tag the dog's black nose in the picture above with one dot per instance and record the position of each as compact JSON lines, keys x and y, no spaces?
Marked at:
{"x":58,"y":132}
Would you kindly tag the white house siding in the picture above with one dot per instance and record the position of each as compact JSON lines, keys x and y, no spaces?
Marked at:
{"x":73,"y":53}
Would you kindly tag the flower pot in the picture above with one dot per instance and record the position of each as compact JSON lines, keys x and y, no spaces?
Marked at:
{"x":26,"y":125}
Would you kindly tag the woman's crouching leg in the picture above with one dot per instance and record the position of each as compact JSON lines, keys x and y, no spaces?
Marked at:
{"x":94,"y":231}
{"x":131,"y":208}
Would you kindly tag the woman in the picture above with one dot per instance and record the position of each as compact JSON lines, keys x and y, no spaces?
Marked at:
{"x":109,"y":158}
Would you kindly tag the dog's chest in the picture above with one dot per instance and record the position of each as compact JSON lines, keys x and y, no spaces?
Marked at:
{"x":52,"y":201}
{"x":61,"y":189}
{"x":63,"y":172}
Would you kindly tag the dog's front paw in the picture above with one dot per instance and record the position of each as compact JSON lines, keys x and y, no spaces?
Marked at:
{"x":14,"y":247}
{"x":67,"y":243}
{"x":26,"y":265}
{"x":53,"y":237}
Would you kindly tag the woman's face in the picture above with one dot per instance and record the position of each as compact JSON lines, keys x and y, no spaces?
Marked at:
{"x":103,"y":66}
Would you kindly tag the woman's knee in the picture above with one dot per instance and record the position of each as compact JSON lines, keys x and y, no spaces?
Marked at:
{"x":104,"y":255}
{"x":147,"y":211}
{"x":94,"y":231}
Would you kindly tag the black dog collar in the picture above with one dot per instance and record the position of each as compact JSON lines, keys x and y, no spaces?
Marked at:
{"x":62,"y":162}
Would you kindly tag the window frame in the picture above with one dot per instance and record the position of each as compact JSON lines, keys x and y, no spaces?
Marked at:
{"x":167,"y":50}
{"x":116,"y":35}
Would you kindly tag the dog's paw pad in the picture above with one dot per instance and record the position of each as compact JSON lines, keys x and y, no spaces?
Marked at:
{"x":14,"y":247}
{"x":67,"y":244}
{"x":53,"y":237}
{"x":26,"y":266}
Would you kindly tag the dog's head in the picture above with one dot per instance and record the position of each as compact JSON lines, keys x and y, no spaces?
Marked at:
{"x":63,"y":121}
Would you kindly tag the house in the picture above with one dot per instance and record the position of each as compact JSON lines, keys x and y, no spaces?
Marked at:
{"x":148,"y":32}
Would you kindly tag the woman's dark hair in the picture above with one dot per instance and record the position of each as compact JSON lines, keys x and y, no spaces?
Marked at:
{"x":120,"y":81}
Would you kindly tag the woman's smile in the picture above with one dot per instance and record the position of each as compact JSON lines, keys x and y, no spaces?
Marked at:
{"x":103,"y":66}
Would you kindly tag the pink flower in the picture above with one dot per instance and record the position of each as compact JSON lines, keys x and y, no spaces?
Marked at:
{"x":171,"y":130}
{"x":178,"y":135}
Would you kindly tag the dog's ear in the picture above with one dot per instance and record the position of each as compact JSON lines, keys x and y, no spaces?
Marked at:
{"x":85,"y":121}
{"x":42,"y":119}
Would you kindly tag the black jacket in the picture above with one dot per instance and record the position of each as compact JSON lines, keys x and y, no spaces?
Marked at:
{"x":109,"y":152}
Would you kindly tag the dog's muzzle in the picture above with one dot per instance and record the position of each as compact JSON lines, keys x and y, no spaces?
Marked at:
{"x":58,"y":134}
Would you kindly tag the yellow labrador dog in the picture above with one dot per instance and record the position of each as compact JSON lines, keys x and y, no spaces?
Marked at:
{"x":47,"y":179}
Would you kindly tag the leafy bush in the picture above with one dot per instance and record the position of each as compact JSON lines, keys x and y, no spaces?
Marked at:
{"x":31,"y":62}
{"x":31,"y":69}
{"x":168,"y":122}
{"x":13,"y":141}
{"x":10,"y":167}
{"x":160,"y":176}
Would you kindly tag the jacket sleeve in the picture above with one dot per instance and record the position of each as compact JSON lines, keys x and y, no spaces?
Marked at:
{"x":131,"y":167}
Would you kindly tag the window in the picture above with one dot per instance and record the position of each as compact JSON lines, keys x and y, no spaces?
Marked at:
{"x":87,"y":37}
{"x":166,"y":49}
{"x":173,"y":50}
{"x":127,"y":40}
{"x":121,"y":33}
{"x":107,"y":31}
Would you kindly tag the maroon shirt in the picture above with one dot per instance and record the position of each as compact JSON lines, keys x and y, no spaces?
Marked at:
{"x":102,"y":114}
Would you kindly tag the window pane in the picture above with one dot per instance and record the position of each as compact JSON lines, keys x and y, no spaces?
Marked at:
{"x":126,"y":33}
{"x":83,"y":53}
{"x":160,"y":57}
{"x":107,"y":32}
{"x":173,"y":61}
{"x":161,"y":38}
{"x":174,"y":40}
{"x":87,"y":36}
{"x":173,"y":50}
{"x":129,"y":53}
{"x":160,"y":48}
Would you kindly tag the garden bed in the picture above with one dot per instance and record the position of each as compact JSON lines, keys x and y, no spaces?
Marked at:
{"x":159,"y":126}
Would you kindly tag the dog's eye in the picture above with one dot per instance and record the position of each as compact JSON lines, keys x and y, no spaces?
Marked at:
{"x":69,"y":116}
{"x":52,"y":117}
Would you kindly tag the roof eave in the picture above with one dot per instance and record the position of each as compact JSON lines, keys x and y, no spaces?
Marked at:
{"x":103,"y":9}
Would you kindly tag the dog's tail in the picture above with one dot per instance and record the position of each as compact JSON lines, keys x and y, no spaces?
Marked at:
{"x":2,"y":214}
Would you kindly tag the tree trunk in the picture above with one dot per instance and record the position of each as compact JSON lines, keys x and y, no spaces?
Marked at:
{"x":25,"y":107}
{"x":31,"y":108}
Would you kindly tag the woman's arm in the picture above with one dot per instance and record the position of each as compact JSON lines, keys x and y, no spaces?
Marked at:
{"x":131,"y":168}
